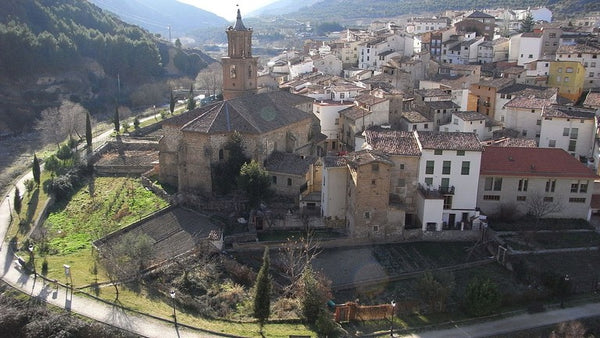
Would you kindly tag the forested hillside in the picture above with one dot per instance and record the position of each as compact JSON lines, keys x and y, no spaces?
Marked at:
{"x":51,"y":50}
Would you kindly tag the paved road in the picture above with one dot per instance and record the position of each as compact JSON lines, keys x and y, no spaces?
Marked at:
{"x":516,"y":323}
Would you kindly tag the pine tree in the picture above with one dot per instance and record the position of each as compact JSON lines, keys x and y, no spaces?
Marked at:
{"x":36,"y":170}
{"x":262,"y":295}
{"x":172,"y":103}
{"x":116,"y":120}
{"x":527,"y":23}
{"x":191,"y":104}
{"x":88,"y":130}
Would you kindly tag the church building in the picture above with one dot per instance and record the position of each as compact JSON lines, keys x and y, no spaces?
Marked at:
{"x":278,"y":121}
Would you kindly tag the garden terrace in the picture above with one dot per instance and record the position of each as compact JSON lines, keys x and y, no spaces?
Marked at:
{"x":174,"y":231}
{"x":541,"y":224}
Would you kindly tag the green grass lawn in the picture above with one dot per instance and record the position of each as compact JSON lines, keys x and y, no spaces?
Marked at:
{"x":102,"y":206}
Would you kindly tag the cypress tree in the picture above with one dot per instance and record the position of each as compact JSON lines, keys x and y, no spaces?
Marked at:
{"x":191,"y":102}
{"x":172,"y":103}
{"x":36,"y":170}
{"x":262,"y":296}
{"x":116,"y":120}
{"x":88,"y":130}
{"x":17,"y":201}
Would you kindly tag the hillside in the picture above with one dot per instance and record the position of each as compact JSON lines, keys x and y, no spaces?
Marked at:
{"x":282,"y":7}
{"x":157,"y":15}
{"x":347,"y":10}
{"x":52,"y":50}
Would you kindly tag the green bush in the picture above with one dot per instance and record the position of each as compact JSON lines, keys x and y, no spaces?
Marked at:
{"x":482,"y":297}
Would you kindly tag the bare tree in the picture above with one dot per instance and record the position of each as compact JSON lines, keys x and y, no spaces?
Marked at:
{"x":295,"y":255}
{"x":56,"y":124}
{"x":210,"y":79}
{"x":540,"y":206}
{"x":48,"y":126}
{"x":125,"y":258}
{"x":73,"y":118}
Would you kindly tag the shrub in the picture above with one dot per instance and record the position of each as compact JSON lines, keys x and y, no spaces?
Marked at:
{"x":482,"y":297}
{"x":44,"y":267}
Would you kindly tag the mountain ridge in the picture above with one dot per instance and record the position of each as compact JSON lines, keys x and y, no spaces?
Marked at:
{"x":160,"y":14}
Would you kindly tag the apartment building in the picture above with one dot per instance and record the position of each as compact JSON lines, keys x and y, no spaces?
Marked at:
{"x":448,"y":176}
{"x":545,"y":182}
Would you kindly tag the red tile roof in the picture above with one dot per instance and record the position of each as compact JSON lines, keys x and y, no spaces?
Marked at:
{"x":532,"y":162}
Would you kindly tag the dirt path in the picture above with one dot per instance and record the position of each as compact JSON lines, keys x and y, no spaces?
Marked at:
{"x":16,"y":155}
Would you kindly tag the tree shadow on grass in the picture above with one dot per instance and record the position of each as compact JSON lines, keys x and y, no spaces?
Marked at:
{"x":92,"y":186}
{"x":25,"y":224}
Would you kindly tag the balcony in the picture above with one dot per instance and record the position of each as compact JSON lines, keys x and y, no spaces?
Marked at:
{"x":429,"y":191}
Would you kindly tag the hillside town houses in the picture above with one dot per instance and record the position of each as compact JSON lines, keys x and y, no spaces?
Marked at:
{"x":427,"y":124}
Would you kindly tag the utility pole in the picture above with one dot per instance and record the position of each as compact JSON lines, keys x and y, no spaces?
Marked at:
{"x":169,"y":28}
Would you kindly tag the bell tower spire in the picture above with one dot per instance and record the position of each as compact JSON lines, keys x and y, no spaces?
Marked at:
{"x":239,"y":66}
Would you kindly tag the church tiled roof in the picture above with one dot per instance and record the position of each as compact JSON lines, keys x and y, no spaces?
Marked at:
{"x":252,"y":114}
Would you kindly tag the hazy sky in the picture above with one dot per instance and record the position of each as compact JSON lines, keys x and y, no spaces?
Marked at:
{"x":227,"y":8}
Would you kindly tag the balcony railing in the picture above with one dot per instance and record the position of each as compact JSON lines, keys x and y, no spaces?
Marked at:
{"x":429,"y":191}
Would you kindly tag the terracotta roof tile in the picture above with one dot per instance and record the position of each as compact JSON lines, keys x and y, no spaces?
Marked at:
{"x":354,"y":112}
{"x":392,"y":142}
{"x":289,"y":163}
{"x":568,"y":112}
{"x":498,"y":83}
{"x":592,"y":100}
{"x":362,"y":157}
{"x":415,"y":117}
{"x":529,"y":103}
{"x":441,"y":104}
{"x":532,"y":162}
{"x":511,"y":142}
{"x":449,"y":140}
{"x":578,"y":48}
{"x":369,"y":99}
{"x":335,"y":161}
{"x":519,"y":89}
{"x":470,"y":115}
{"x":254,"y":114}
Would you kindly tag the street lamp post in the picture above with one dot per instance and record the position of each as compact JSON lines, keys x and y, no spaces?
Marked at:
{"x":68,"y":275}
{"x":9,"y":209}
{"x":564,"y":291}
{"x":32,"y":257}
{"x":172,"y":293}
{"x":392,"y":318}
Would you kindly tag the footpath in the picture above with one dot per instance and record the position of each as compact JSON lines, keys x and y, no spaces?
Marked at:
{"x":63,"y":297}
{"x":515,"y":323}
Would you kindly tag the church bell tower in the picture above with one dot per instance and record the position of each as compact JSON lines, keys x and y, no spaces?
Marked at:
{"x":239,"y":67}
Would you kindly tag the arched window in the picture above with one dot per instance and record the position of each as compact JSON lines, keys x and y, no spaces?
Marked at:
{"x":250,"y":71}
{"x":221,"y":155}
{"x":232,"y":73}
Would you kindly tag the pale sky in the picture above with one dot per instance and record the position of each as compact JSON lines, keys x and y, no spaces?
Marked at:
{"x":227,"y":8}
